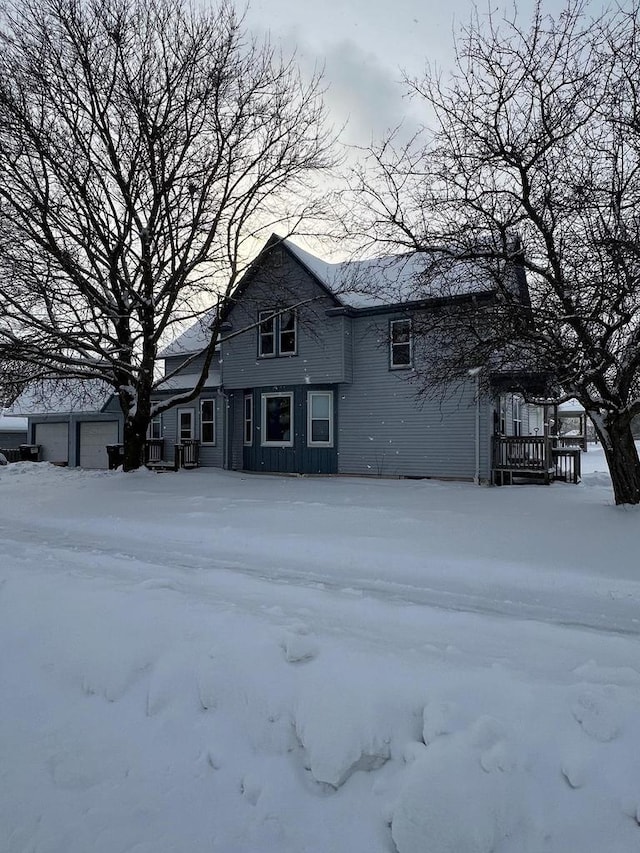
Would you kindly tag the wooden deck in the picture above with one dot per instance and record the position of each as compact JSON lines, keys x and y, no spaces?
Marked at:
{"x":533,"y":458}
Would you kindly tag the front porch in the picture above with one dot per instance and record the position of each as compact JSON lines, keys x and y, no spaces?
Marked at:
{"x":534,"y":458}
{"x":157,"y":457}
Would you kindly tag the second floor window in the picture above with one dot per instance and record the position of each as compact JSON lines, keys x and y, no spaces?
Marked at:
{"x":401,"y":344}
{"x":277,"y":333}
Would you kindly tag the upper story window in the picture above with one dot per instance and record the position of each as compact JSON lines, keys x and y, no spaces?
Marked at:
{"x":277,"y":333}
{"x":288,"y":332}
{"x":267,"y":334}
{"x":400,"y":344}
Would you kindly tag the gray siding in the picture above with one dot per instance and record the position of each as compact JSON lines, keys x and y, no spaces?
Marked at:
{"x":385,"y":431}
{"x":210,"y":454}
{"x":10,"y":439}
{"x":321,"y":342}
{"x":195,"y":366}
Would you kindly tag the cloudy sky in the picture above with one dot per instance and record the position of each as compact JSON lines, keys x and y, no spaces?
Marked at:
{"x":364,"y":44}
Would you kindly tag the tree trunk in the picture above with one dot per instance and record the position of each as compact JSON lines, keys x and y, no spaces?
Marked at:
{"x":622,"y":458}
{"x":135,"y":436}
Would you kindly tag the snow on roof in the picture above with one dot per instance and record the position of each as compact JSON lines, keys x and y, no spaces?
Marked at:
{"x":193,"y":339}
{"x":390,"y":279}
{"x":62,"y":396}
{"x":571,"y":406}
{"x":12,"y":423}
{"x":189,"y":380}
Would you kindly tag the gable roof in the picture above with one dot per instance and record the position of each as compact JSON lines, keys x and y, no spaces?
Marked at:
{"x":391,"y":280}
{"x":362,"y":285}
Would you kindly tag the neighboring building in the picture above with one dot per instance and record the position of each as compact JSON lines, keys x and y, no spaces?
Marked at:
{"x":315,"y":374}
{"x":13,"y":431}
{"x":71,"y":421}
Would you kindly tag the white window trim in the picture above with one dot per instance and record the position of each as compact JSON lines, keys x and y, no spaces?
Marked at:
{"x":191,"y":413}
{"x":213,"y":422}
{"x":263,"y":419}
{"x":276,"y":316}
{"x":310,"y":396}
{"x":248,"y":398}
{"x":516,"y":414}
{"x":392,"y":323}
{"x":156,"y":419}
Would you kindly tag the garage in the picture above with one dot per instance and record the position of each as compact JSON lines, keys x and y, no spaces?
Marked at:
{"x":94,"y":437}
{"x":54,"y":442}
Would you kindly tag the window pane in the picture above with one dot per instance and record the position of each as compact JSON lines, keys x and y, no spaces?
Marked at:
{"x":278,"y":419}
{"x":320,"y":406}
{"x":400,"y":343}
{"x":185,"y":426}
{"x":287,"y":332}
{"x":208,"y":434}
{"x":401,"y":355}
{"x":206,"y":410}
{"x":320,"y":431}
{"x":266,"y":333}
{"x":400,"y":331}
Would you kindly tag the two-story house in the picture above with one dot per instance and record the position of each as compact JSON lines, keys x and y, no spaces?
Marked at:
{"x":316,"y":374}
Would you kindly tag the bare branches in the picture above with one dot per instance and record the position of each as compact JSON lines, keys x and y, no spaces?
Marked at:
{"x":142,"y":144}
{"x":537,"y":134}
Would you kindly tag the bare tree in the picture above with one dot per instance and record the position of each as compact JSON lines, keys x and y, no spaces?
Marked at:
{"x":533,"y":159}
{"x":144,"y":145}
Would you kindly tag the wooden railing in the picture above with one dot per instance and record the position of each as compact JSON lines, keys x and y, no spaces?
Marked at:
{"x":153,"y":451}
{"x":532,"y":455}
{"x":521,"y":452}
{"x":188,"y":454}
{"x":570,"y":441}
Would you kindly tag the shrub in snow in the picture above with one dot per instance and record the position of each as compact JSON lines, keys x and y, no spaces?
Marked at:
{"x":3,"y":459}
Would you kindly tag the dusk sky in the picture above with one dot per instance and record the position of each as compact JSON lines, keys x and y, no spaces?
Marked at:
{"x":364,"y":44}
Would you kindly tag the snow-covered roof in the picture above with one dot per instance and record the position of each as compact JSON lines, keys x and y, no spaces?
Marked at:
{"x":62,"y":396}
{"x":390,"y":279}
{"x":12,"y":423}
{"x":193,"y":339}
{"x":571,"y":407}
{"x":189,"y":380}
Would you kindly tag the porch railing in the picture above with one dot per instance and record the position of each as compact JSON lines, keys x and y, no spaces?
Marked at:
{"x":188,"y":454}
{"x":532,"y":455}
{"x":153,"y":451}
{"x":522,"y":454}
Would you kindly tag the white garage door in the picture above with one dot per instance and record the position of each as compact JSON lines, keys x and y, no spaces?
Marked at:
{"x":94,"y":438}
{"x":54,"y":442}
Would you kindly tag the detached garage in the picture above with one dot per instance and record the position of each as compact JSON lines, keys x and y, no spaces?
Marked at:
{"x":53,"y":439}
{"x":72,"y":421}
{"x":93,"y":439}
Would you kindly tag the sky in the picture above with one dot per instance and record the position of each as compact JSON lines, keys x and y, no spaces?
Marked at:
{"x":364,"y":45}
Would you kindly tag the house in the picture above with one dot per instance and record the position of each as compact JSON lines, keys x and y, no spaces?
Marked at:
{"x":315,"y":373}
{"x":13,"y":433}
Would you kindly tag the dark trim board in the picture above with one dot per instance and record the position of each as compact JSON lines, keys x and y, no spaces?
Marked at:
{"x":298,"y":458}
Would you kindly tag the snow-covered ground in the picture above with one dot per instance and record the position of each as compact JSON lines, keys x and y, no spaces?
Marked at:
{"x":211,"y":661}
